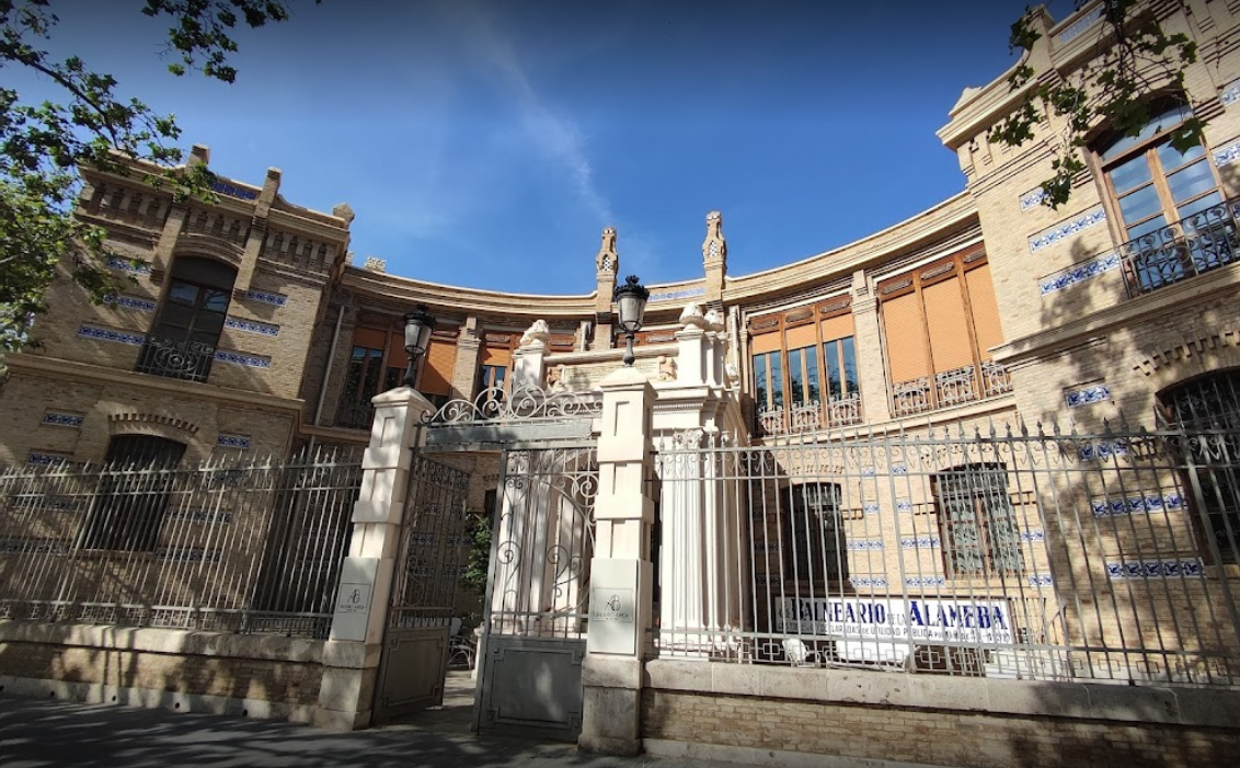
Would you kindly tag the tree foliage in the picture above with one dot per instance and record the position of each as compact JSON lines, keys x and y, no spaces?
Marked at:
{"x":1135,"y":59}
{"x":43,"y":145}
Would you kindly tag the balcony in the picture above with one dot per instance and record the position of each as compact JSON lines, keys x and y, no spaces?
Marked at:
{"x":355,"y":415}
{"x":960,"y":385}
{"x":1204,"y":241}
{"x":175,"y":358}
{"x":811,"y":416}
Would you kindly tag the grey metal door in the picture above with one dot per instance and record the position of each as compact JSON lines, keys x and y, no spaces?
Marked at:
{"x":537,"y":600}
{"x":414,"y":663}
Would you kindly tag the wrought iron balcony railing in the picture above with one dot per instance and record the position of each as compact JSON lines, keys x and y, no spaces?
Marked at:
{"x":807,"y":417}
{"x":960,"y":385}
{"x":175,"y":358}
{"x":355,"y":415}
{"x":1199,"y":243}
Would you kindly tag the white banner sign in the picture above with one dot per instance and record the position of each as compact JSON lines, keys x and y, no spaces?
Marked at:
{"x":918,"y":620}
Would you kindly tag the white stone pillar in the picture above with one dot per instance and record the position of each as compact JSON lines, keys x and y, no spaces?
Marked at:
{"x":529,"y":366}
{"x":620,"y":572}
{"x":351,"y":654}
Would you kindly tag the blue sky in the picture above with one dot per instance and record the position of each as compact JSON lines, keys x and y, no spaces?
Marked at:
{"x":486,"y":143}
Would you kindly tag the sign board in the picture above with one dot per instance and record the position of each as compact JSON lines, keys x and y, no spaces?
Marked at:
{"x":352,"y":608}
{"x":613,"y":608}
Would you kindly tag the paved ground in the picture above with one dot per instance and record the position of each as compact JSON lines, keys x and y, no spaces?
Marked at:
{"x":45,"y":734}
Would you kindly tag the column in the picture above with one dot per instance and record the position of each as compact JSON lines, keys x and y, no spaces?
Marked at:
{"x":351,"y":653}
{"x":875,"y":404}
{"x":465,"y":371}
{"x":620,"y":572}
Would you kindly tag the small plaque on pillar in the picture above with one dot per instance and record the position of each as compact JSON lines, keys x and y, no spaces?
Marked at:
{"x":613,"y":607}
{"x":352,"y":607}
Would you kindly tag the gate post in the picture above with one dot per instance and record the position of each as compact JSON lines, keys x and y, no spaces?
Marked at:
{"x":620,"y":572}
{"x":352,"y":652}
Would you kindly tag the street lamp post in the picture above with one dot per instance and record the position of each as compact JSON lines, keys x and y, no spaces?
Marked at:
{"x":630,"y":301}
{"x":418,"y":327}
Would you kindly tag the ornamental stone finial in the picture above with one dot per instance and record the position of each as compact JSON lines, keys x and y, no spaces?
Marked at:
{"x":608,"y":260}
{"x":537,"y":332}
{"x":715,"y":246}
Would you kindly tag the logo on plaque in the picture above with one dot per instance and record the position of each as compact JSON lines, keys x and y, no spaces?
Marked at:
{"x":611,"y":604}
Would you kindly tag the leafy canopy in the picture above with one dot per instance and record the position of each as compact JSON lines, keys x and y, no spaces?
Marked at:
{"x":1135,"y":59}
{"x":44,"y":145}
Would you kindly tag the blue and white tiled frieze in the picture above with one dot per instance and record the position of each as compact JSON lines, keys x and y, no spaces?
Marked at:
{"x":864,"y":545}
{"x":920,"y":542}
{"x":1136,"y":505}
{"x":1094,"y":451}
{"x":1032,"y":199}
{"x":131,"y":266}
{"x":1060,"y":231}
{"x":686,"y":293}
{"x":1227,"y":155}
{"x":199,"y":515}
{"x":1033,"y":534}
{"x":240,"y":358}
{"x":904,"y":505}
{"x":868,"y":472}
{"x":188,"y":554}
{"x":45,"y":459}
{"x":925,"y":581}
{"x":61,"y":419}
{"x":1080,"y":25}
{"x":1078,"y":273}
{"x":1095,"y":393}
{"x":131,"y":302}
{"x":1230,"y":94}
{"x":274,"y":299}
{"x":870,"y":508}
{"x":868,"y":581}
{"x":232,"y":190}
{"x":899,"y":469}
{"x":252,"y":326}
{"x":109,"y":334}
{"x":35,"y":546}
{"x":1041,"y":580}
{"x":226,"y":440}
{"x":1155,"y":569}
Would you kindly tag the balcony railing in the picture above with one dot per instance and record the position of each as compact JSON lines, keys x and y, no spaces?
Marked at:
{"x":355,"y":415}
{"x":1189,"y":247}
{"x":960,"y":385}
{"x":175,"y":358}
{"x":807,"y":417}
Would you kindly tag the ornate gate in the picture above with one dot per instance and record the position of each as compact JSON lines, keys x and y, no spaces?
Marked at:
{"x":415,"y":646}
{"x":538,"y":593}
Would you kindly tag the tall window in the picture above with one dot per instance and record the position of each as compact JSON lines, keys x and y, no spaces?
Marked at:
{"x":978,"y":530}
{"x":814,"y":536}
{"x":378,"y":361}
{"x":768,"y":381}
{"x":361,"y":383}
{"x":1152,"y":185}
{"x":803,"y":376}
{"x":491,"y":379}
{"x":182,"y":342}
{"x":841,"y":360}
{"x":1212,"y":403}
{"x":133,"y":492}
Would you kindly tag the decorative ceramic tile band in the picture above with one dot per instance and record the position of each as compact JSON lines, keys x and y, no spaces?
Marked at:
{"x":199,"y":515}
{"x":925,"y":581}
{"x":108,"y":334}
{"x":131,"y":302}
{"x":1080,"y":25}
{"x":1231,"y":94}
{"x":1098,"y":451}
{"x":904,"y":505}
{"x":275,"y":299}
{"x":864,"y":545}
{"x":899,"y":469}
{"x":188,"y":554}
{"x":1156,"y":569}
{"x":58,"y":419}
{"x":1079,"y":273}
{"x":1136,"y":504}
{"x":232,"y":190}
{"x":1041,"y":580}
{"x":225,"y":440}
{"x":252,"y":326}
{"x":870,"y":508}
{"x":1032,"y":199}
{"x":1061,"y":231}
{"x":131,"y":266}
{"x":1033,"y":534}
{"x":921,"y":542}
{"x":1227,"y":155}
{"x":1087,"y":395}
{"x":240,"y":358}
{"x":686,"y":293}
{"x":868,"y":581}
{"x":34,"y":546}
{"x":45,"y":459}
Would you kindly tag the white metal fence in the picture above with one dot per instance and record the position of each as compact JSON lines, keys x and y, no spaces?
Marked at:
{"x":227,"y":545}
{"x":1007,"y":554}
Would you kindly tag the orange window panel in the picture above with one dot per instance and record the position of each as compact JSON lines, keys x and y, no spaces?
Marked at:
{"x":802,"y":336}
{"x":906,"y":338}
{"x":838,"y":327}
{"x":496,"y":356}
{"x":766,"y":342}
{"x":440,"y":363}
{"x":371,"y":338}
{"x":950,"y":345}
{"x":985,"y":309}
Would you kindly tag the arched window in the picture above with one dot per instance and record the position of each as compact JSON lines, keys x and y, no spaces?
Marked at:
{"x":133,"y":493}
{"x":181,"y":344}
{"x":1167,"y":203}
{"x":979,"y":534}
{"x":1209,"y":409}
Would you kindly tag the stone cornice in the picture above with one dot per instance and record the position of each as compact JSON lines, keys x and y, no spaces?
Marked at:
{"x":403,"y":291}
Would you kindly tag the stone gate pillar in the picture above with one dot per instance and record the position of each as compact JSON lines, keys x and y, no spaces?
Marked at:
{"x":620,"y":572}
{"x":351,"y":654}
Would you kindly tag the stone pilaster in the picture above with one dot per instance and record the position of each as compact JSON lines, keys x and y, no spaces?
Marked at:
{"x":465,"y":370}
{"x":258,"y":230}
{"x":868,"y":342}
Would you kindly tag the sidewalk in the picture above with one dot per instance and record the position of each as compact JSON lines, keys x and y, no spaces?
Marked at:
{"x":47,"y":734}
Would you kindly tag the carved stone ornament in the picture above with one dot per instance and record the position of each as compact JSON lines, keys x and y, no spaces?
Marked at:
{"x":715,"y":246}
{"x":714,"y":320}
{"x":667,"y":368}
{"x":608,"y":260}
{"x":538,"y":332}
{"x":692,"y":317}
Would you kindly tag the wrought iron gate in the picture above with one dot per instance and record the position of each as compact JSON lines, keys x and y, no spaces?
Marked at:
{"x":415,"y":648}
{"x":538,"y":592}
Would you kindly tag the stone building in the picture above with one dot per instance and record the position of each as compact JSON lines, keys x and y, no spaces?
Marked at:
{"x":248,"y":330}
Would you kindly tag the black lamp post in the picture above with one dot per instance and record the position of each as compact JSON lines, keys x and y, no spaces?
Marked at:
{"x":630,"y":301}
{"x":418,"y":327}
